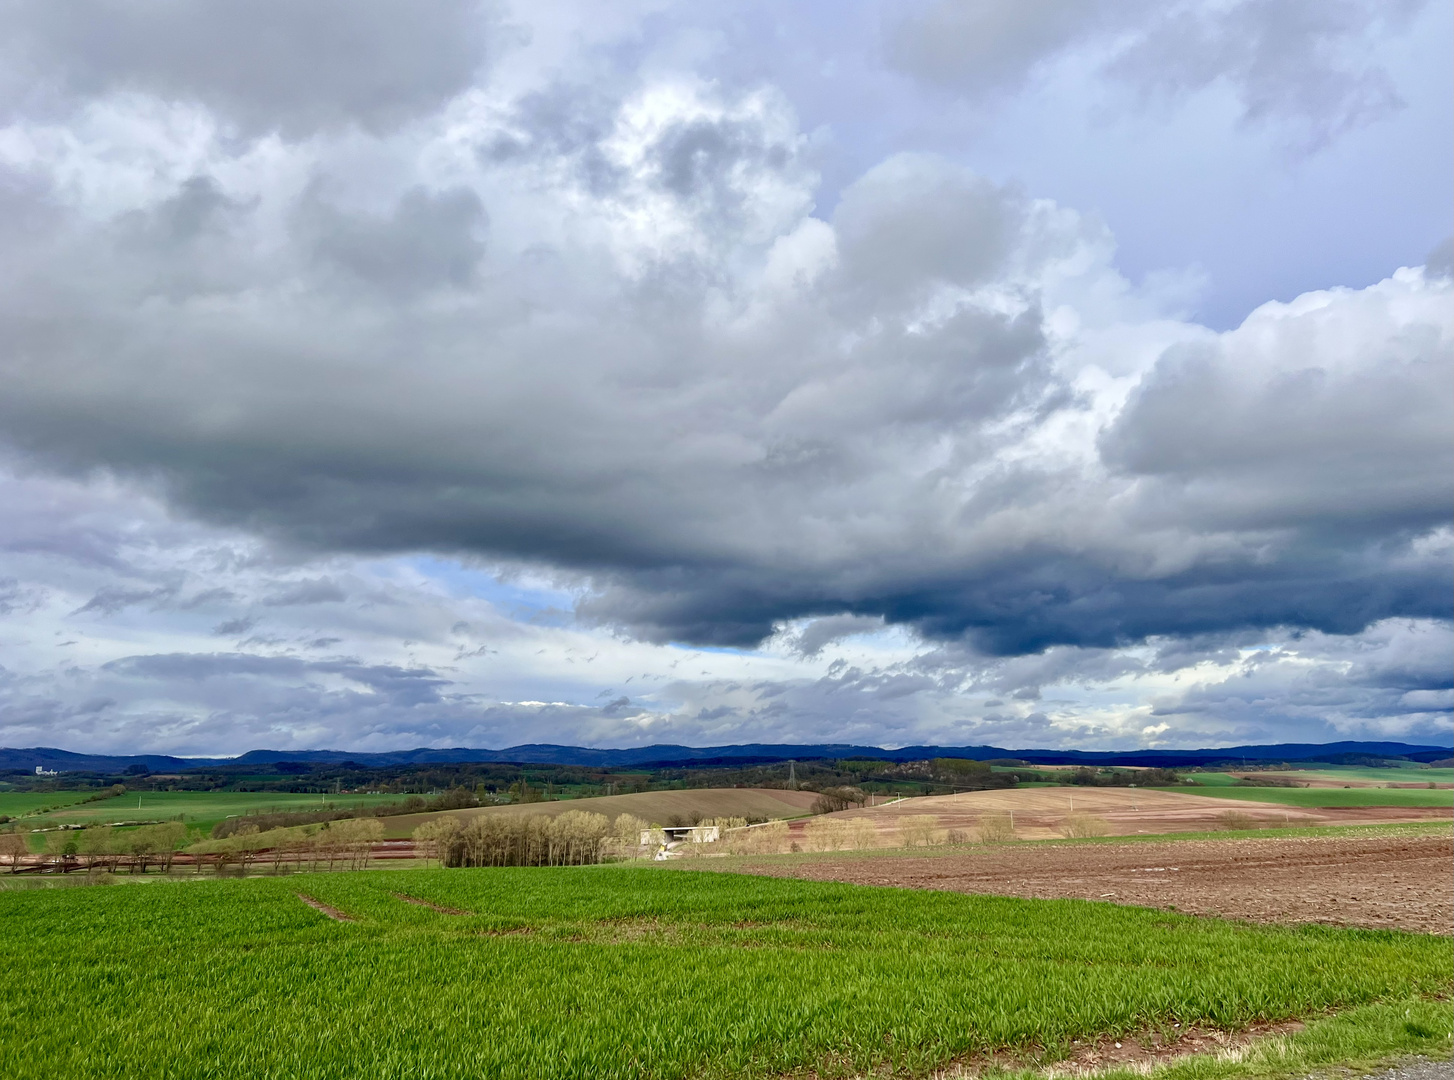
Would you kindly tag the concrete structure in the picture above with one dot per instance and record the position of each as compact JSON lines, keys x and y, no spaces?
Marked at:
{"x":681,"y":834}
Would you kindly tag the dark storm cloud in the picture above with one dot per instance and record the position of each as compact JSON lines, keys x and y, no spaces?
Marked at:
{"x":265,"y":65}
{"x":1299,"y":60}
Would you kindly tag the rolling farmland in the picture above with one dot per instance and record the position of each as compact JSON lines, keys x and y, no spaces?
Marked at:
{"x":661,"y":807}
{"x":1395,"y":877}
{"x":625,"y":972}
{"x":15,"y":803}
{"x":198,"y":808}
{"x":1218,"y":786}
{"x":1042,"y":813}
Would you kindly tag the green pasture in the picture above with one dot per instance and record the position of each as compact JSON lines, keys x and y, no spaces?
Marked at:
{"x":1223,"y":786}
{"x":616,"y":972}
{"x":1335,"y":773}
{"x":199,"y":808}
{"x":15,"y":803}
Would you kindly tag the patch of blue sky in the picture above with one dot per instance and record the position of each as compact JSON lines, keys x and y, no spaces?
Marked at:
{"x":523,"y":601}
{"x":725,"y":650}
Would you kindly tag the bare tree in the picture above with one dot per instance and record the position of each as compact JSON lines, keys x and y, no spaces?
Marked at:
{"x":13,"y":848}
{"x":434,"y":838}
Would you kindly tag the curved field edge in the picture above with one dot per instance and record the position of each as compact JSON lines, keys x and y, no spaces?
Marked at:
{"x":622,"y":972}
{"x":1367,"y":1038}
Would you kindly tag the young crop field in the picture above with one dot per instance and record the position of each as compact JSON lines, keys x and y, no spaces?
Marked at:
{"x":15,"y":803}
{"x":631,"y":972}
{"x":1221,"y":786}
{"x":1357,"y":774}
{"x":198,"y":808}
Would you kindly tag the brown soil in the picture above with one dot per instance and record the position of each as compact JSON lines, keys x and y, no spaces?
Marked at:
{"x":1141,"y":1051}
{"x":1041,"y":813}
{"x":425,"y":903}
{"x":332,"y":912}
{"x":1380,"y":882}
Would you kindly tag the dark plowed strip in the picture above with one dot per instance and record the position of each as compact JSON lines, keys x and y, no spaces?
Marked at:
{"x":432,"y":907}
{"x":331,"y":912}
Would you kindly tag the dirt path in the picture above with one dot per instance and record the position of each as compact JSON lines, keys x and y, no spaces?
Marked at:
{"x":1402,"y":883}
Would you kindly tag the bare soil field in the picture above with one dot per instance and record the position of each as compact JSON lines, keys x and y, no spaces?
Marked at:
{"x":1387,"y":882}
{"x":656,"y":807}
{"x":1042,"y":813}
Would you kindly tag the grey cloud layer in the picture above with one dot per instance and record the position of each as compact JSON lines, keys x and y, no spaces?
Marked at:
{"x":1297,"y":60}
{"x":596,"y":328}
{"x":358,"y":656}
{"x":718,"y":412}
{"x":264,"y":65}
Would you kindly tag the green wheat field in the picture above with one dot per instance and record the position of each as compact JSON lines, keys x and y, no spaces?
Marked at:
{"x":628,"y":972}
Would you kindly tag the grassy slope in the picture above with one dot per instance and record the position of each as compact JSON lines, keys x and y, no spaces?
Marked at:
{"x":1222,"y":786}
{"x":202,"y":808}
{"x":626,"y":972}
{"x":15,"y":803}
{"x":1373,"y":776}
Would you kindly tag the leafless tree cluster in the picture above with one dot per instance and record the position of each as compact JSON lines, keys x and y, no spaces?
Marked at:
{"x":839,"y":834}
{"x":574,"y":838}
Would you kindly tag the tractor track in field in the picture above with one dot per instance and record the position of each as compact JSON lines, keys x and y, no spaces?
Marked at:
{"x":427,"y":904}
{"x":332,"y":912}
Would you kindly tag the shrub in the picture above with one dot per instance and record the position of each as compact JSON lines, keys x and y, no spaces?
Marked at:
{"x":1236,"y":819}
{"x":767,"y":838}
{"x":828,"y":834}
{"x":919,"y":830}
{"x":996,"y":828}
{"x":1079,"y":826}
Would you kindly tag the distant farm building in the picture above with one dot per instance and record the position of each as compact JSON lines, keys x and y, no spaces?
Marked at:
{"x":682,"y":834}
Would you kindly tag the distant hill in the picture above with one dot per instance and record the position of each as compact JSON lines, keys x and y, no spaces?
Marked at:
{"x":51,"y":759}
{"x":666,"y":755}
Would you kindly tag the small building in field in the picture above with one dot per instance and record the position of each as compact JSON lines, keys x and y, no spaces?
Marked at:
{"x":681,"y":834}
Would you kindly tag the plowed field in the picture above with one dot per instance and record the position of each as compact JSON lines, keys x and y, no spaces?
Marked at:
{"x":1041,"y":813}
{"x":1401,"y":882}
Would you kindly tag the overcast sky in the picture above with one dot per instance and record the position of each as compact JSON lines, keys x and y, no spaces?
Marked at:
{"x":1042,"y":373}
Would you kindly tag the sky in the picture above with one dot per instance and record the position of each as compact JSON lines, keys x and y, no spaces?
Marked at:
{"x":1034,"y":373}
